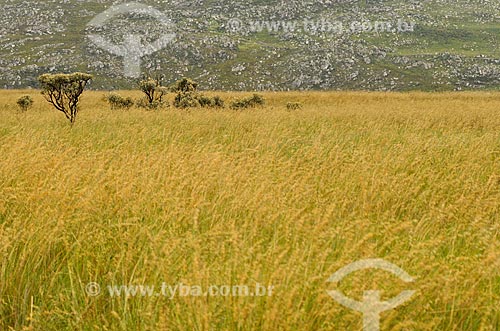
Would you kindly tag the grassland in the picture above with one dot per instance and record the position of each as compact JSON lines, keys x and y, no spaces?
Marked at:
{"x":282,"y":198}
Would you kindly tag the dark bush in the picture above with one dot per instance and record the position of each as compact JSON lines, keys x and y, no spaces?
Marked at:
{"x":293,"y":106}
{"x":218,"y":102}
{"x":118,"y":102}
{"x":144,"y":103}
{"x":25,"y":102}
{"x":187,"y":96}
{"x":205,"y":101}
{"x":249,"y":102}
{"x":186,"y":100}
{"x":215,"y":102}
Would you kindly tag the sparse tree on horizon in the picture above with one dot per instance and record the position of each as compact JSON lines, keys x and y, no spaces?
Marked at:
{"x":63,"y":91}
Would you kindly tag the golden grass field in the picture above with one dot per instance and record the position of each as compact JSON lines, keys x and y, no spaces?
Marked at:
{"x":266,"y":195}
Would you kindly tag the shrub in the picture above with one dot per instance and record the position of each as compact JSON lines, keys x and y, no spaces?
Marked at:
{"x":218,"y":102}
{"x":25,"y":102}
{"x":293,"y":106}
{"x":154,"y":93}
{"x":63,"y":91}
{"x":193,"y":99}
{"x":144,"y":103}
{"x":205,"y":101}
{"x":186,"y":100}
{"x":184,"y":85}
{"x":118,"y":102}
{"x":187,"y":96}
{"x":215,"y":102}
{"x":257,"y":100}
{"x":249,"y":102}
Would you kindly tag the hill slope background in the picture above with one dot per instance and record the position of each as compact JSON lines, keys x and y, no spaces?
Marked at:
{"x":265,"y":45}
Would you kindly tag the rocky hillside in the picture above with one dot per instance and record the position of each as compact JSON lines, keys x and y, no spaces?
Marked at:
{"x":261,"y":45}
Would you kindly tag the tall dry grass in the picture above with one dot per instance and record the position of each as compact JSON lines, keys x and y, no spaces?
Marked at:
{"x":238,"y":197}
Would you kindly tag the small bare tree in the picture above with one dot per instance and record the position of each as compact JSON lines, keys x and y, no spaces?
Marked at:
{"x":63,"y":91}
